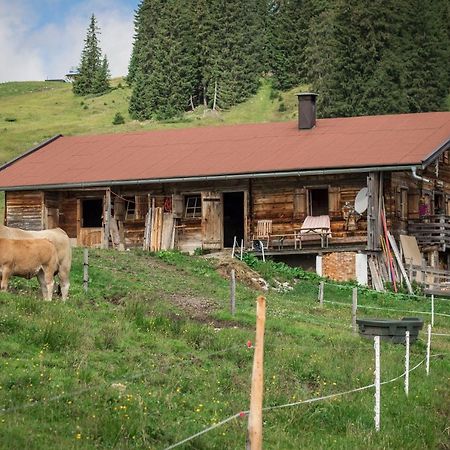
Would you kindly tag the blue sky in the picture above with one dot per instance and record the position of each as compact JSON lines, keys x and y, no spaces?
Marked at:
{"x":42,"y":39}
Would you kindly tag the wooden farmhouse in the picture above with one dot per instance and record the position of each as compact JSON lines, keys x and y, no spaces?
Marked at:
{"x":318,"y":192}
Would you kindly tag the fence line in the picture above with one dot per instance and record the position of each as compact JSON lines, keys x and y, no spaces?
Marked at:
{"x":388,"y":309}
{"x":300,"y":402}
{"x":216,"y":425}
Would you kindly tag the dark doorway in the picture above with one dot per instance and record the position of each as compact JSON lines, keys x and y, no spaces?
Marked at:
{"x":233,"y":217}
{"x":318,"y":202}
{"x":92,"y":213}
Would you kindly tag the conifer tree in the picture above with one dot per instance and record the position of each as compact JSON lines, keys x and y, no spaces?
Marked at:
{"x":93,"y":72}
{"x":288,"y":39}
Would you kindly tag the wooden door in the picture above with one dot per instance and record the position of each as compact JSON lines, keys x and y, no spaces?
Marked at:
{"x":52,"y":218}
{"x":212,"y":212}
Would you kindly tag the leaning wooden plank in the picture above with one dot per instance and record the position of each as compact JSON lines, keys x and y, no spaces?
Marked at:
{"x":114,"y":231}
{"x":399,"y":261}
{"x":167,"y":231}
{"x":376,"y":280}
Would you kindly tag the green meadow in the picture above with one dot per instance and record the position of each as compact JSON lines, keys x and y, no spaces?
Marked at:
{"x":31,"y":112}
{"x":151,"y":355}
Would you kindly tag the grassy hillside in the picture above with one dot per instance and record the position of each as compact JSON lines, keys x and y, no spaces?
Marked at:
{"x":151,"y":355}
{"x":31,"y":112}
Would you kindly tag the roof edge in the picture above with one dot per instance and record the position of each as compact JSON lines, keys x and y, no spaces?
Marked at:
{"x":436,"y":153}
{"x":296,"y":173}
{"x":30,"y":151}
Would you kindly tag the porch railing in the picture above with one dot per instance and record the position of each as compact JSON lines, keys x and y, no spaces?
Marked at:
{"x":431,"y":230}
{"x":431,"y":278}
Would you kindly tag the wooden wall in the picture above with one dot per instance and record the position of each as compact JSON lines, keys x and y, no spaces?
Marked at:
{"x":25,"y":209}
{"x":285,"y":201}
{"x":404,"y":193}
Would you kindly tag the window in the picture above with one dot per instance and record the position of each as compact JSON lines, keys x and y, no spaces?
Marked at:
{"x":439,"y":204}
{"x":318,"y":202}
{"x":130,"y":208}
{"x":193,"y":206}
{"x":92,"y":212}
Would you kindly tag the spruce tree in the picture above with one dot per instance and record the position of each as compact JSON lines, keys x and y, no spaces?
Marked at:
{"x":426,"y":55}
{"x":93,"y":72}
{"x":289,"y":31}
{"x":189,"y":53}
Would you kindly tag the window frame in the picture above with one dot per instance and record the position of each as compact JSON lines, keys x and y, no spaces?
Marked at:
{"x":193,"y":211}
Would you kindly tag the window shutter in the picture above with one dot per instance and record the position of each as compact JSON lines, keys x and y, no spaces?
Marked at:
{"x":413,"y":205}
{"x":300,"y":204}
{"x":177,"y":206}
{"x":334,"y":202}
{"x":141,"y":208}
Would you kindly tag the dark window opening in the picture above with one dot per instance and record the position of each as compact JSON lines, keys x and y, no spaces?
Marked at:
{"x":318,"y":202}
{"x":439,"y":204}
{"x":92,"y":213}
{"x":193,"y":206}
{"x":233,"y":218}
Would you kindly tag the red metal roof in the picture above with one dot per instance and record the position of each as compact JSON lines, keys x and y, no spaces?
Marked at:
{"x":403,"y":139}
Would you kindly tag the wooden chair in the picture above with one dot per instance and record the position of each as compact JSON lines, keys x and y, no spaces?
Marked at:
{"x":263,"y":232}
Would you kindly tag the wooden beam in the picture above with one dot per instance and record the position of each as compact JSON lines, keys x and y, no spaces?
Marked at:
{"x":107,"y":218}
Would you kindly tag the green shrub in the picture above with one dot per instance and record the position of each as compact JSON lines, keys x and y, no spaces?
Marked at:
{"x":118,"y":119}
{"x":282,"y":107}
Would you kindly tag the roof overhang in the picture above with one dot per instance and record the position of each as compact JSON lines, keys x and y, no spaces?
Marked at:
{"x":436,"y":153}
{"x":222,"y":177}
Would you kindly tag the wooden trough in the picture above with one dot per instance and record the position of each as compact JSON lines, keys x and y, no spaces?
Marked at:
{"x":390,"y":330}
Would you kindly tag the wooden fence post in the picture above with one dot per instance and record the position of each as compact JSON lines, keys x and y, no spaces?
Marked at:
{"x":376,"y":344}
{"x":320,"y":297}
{"x":354,"y":308}
{"x":233,"y":292}
{"x":407,"y":363}
{"x":107,"y":218}
{"x":254,"y":436}
{"x":85,"y":269}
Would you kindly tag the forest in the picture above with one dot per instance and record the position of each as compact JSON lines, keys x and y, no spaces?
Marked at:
{"x":361,"y":57}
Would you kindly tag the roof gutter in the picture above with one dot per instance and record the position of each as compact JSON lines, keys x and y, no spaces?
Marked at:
{"x":418,"y":177}
{"x":240,"y":176}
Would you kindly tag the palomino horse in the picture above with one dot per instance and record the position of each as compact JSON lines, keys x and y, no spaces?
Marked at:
{"x":59,"y":239}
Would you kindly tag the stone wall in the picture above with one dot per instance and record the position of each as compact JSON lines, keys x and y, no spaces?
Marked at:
{"x":339,"y":266}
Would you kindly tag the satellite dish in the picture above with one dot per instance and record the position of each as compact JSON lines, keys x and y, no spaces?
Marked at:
{"x":361,"y":201}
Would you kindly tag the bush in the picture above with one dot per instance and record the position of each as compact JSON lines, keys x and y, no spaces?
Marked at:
{"x":118,"y":119}
{"x":282,"y":107}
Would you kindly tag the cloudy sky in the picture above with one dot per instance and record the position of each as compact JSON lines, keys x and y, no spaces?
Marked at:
{"x":42,"y":39}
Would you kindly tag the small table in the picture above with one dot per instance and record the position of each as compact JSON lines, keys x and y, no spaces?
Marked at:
{"x":322,"y":232}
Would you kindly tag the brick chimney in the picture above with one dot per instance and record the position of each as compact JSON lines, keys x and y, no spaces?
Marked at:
{"x":306,"y":110}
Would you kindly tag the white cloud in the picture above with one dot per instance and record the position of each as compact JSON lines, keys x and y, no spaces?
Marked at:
{"x":32,"y":52}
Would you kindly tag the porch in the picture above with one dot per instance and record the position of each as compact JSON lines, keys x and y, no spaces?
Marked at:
{"x":431,"y":231}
